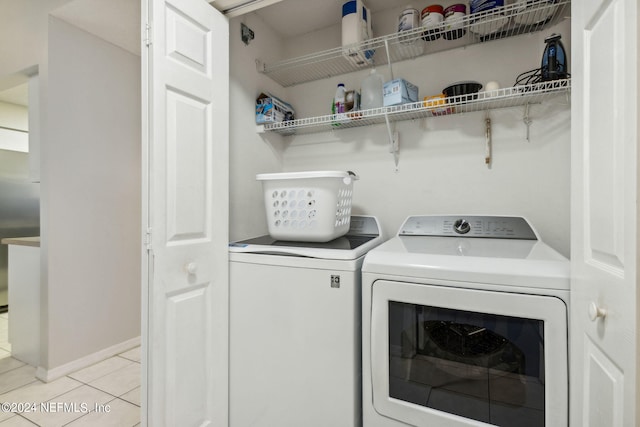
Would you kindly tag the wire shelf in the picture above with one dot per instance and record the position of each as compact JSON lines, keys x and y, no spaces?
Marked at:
{"x":498,"y":23}
{"x":489,"y":100}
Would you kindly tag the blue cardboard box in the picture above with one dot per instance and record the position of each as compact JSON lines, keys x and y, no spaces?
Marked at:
{"x":399,"y":91}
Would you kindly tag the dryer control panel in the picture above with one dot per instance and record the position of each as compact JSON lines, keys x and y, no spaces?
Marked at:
{"x":497,"y":227}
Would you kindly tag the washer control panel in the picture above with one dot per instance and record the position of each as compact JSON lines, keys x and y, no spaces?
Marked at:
{"x":497,"y":227}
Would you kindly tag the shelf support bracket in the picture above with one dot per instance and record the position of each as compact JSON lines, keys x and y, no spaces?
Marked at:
{"x":394,"y":137}
{"x":394,"y":140}
{"x":390,"y":65}
{"x":487,"y":143}
{"x":527,"y":121}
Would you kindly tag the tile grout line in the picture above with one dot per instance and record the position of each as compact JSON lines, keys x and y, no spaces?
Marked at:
{"x":35,"y":380}
{"x":13,"y":369}
{"x":90,"y":412}
{"x":24,"y":418}
{"x":102,"y":376}
{"x":114,"y":396}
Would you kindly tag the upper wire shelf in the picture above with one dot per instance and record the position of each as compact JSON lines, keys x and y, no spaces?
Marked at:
{"x":498,"y":23}
{"x":490,"y":100}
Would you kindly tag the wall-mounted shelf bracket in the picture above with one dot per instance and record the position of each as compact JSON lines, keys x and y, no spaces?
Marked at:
{"x":487,"y":143}
{"x":394,"y":140}
{"x":527,"y":121}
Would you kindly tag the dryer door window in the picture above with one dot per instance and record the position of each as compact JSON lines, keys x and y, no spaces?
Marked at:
{"x":480,"y":366}
{"x":459,"y":357}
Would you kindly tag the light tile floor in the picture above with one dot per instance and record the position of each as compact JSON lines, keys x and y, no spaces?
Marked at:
{"x":104,"y":394}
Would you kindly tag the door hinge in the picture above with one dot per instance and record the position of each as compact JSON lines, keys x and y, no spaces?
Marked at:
{"x":147,"y":35}
{"x":147,"y":239}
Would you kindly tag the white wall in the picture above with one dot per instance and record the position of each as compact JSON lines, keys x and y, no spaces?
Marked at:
{"x":248,"y":154}
{"x":14,"y":116}
{"x":91,"y":196}
{"x":79,"y":310}
{"x":23,"y":43}
{"x":441,"y":166}
{"x":23,"y":34}
{"x":13,"y":119}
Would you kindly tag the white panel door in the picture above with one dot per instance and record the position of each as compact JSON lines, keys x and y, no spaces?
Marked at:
{"x":604,"y":213}
{"x":185,"y":313}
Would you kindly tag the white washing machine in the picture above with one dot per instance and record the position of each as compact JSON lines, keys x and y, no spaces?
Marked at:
{"x":295,"y":330}
{"x":465,"y":324}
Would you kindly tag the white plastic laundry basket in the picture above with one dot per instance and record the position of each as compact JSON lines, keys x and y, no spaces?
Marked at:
{"x":308,"y":206}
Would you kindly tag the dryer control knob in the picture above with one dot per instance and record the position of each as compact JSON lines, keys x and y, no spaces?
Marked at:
{"x":595,"y":312}
{"x":461,"y":226}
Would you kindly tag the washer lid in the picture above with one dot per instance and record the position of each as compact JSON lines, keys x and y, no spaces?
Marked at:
{"x":363,"y":235}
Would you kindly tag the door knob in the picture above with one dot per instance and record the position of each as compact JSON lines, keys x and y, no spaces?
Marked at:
{"x":595,"y":312}
{"x":191,"y":267}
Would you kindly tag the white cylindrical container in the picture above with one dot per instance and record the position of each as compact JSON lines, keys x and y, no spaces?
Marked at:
{"x":350,"y":23}
{"x":432,"y":17}
{"x":356,"y":29}
{"x":453,"y":16}
{"x":409,"y":19}
{"x":355,"y":22}
{"x":371,"y":91}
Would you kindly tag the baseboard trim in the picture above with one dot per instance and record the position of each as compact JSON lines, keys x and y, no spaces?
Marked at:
{"x":48,"y":375}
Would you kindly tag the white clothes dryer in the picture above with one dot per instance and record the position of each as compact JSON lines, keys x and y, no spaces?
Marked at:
{"x":465,"y":324}
{"x":295,"y":330}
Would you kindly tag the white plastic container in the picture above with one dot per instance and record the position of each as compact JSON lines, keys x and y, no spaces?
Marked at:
{"x":371,"y":91}
{"x":409,"y":19}
{"x":308,"y":206}
{"x":356,"y":29}
{"x":356,"y":22}
{"x":339,"y":99}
